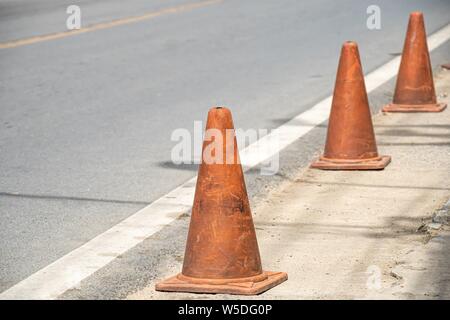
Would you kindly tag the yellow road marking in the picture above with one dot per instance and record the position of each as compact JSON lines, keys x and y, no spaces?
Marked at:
{"x":106,"y":25}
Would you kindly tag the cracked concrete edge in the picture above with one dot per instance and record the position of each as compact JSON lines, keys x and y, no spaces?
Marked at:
{"x":442,"y":216}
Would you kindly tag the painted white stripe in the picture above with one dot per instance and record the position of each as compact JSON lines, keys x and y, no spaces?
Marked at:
{"x":68,"y":271}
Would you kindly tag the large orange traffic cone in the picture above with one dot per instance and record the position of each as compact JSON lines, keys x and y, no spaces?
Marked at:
{"x":222,"y":254}
{"x":414,"y":91}
{"x":350,"y":141}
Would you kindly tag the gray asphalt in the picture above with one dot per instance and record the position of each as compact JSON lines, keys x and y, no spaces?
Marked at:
{"x":86,"y":120}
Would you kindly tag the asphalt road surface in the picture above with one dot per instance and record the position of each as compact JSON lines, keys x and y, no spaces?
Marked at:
{"x":86,"y":119}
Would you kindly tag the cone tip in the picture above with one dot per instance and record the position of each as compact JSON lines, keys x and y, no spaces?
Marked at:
{"x":350,"y":43}
{"x":215,"y":108}
{"x":349,"y":47}
{"x":219,"y":117}
{"x":416,"y":17}
{"x":220,"y":110}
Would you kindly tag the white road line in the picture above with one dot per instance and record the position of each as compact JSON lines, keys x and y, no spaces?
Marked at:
{"x":68,"y":271}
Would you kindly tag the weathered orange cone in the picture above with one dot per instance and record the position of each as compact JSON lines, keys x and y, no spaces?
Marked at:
{"x":414,"y":91}
{"x":222,"y":254}
{"x":350,"y":141}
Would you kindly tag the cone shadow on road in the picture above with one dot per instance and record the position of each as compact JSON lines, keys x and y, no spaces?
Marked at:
{"x":181,"y":166}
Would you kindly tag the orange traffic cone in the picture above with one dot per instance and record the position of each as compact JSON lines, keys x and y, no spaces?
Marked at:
{"x":414,"y":91}
{"x":350,"y":141}
{"x":222,"y":254}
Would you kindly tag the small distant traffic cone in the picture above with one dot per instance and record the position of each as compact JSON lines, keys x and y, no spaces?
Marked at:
{"x":350,"y":141}
{"x":414,"y":91}
{"x":222,"y":254}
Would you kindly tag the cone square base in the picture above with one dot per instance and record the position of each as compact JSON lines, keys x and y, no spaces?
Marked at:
{"x":393,"y":107}
{"x":330,"y":164}
{"x":178,"y":284}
